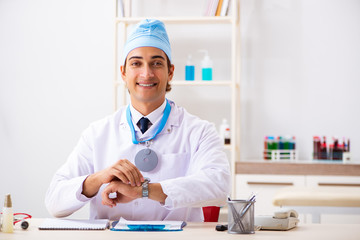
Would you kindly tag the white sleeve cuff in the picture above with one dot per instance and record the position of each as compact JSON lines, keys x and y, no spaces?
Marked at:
{"x":166,"y":187}
{"x":81,"y":197}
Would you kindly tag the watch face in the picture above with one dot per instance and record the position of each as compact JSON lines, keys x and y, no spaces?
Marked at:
{"x":145,"y":188}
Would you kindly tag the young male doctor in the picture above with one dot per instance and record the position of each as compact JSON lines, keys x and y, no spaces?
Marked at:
{"x":150,"y":160}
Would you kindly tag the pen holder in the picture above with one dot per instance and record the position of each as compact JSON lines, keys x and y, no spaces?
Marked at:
{"x":241,"y":217}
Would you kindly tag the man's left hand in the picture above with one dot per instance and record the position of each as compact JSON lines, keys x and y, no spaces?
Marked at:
{"x":124,"y":193}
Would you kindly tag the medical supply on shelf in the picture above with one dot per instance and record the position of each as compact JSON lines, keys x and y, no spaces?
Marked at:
{"x":206,"y":66}
{"x":335,"y":149}
{"x":7,"y":220}
{"x":189,"y":69}
{"x":224,"y":131}
{"x":280,"y":148}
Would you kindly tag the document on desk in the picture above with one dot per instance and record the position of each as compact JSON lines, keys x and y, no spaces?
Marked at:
{"x":73,"y":224}
{"x":125,"y":225}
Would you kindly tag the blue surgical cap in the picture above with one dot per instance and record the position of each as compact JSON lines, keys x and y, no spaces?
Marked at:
{"x":148,"y":33}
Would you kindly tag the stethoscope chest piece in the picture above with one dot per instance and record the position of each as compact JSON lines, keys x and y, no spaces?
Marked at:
{"x":146,"y":160}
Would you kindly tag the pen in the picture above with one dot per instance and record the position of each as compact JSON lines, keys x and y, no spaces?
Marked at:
{"x":237,"y":219}
{"x":246,"y":208}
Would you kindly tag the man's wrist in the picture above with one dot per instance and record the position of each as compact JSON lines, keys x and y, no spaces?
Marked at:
{"x":136,"y":192}
{"x":145,"y":188}
{"x":91,"y":185}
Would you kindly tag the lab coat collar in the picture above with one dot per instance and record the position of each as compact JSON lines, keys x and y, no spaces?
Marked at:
{"x":154,"y":116}
{"x":173,"y":121}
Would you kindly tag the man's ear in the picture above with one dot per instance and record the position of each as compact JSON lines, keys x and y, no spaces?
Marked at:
{"x":123,"y":73}
{"x":171,"y":72}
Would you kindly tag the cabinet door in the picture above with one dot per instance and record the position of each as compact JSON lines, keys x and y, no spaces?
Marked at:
{"x":335,"y":181}
{"x":265,"y":186}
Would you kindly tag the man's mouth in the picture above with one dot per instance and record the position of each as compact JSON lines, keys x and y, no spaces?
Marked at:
{"x":146,"y":84}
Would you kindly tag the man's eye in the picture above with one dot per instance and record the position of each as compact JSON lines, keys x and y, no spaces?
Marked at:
{"x":135,"y":64}
{"x":158,"y":63}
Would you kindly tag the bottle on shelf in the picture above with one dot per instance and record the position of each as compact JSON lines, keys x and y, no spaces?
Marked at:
{"x":206,"y":67}
{"x":323,"y":149}
{"x":225,"y":131}
{"x":331,"y":149}
{"x":337,"y":151}
{"x":189,"y":69}
{"x":316,"y":147}
{"x":272,"y":143}
{"x":293,"y":143}
{"x":266,"y":152}
{"x":281,"y":143}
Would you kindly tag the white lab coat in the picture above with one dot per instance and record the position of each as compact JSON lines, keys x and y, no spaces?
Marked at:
{"x":193,"y":169}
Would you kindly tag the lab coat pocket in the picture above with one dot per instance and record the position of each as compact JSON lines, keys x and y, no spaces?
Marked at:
{"x":174,"y":165}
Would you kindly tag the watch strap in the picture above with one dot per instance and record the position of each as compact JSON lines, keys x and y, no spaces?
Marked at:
{"x":145,"y":188}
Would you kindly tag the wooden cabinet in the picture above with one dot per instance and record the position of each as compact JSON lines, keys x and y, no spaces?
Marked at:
{"x":265,"y":186}
{"x":266,"y":178}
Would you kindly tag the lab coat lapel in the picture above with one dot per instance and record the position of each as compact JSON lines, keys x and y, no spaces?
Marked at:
{"x":173,"y":121}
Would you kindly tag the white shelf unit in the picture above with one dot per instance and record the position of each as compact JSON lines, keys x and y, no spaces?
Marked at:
{"x":233,"y":83}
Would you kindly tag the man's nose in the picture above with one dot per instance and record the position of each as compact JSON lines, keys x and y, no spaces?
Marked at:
{"x":147,"y":71}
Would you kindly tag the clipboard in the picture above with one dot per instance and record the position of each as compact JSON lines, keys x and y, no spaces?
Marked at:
{"x":147,"y":226}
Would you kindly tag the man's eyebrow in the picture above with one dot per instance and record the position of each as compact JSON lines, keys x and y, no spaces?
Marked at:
{"x":153,"y":57}
{"x":157,"y":56}
{"x":136,"y":57}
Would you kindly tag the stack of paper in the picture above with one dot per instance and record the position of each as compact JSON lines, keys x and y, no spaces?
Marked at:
{"x":73,"y":224}
{"x":125,"y":225}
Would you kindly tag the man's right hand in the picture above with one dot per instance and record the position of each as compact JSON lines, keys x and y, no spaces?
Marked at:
{"x":122,"y":170}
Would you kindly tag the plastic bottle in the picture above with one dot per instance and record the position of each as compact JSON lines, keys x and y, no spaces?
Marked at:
{"x":337,"y":153}
{"x":225,"y":131}
{"x":281,"y":142}
{"x":189,"y":69}
{"x":7,"y":216}
{"x":206,"y":67}
{"x":266,"y":148}
{"x":227,"y":136}
{"x":316,"y":147}
{"x":331,"y":149}
{"x":293,"y":143}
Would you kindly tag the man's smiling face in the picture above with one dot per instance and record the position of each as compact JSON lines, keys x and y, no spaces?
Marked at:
{"x":146,"y":76}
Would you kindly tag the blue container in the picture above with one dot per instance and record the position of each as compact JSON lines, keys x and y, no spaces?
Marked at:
{"x":207,"y":74}
{"x":190,"y":73}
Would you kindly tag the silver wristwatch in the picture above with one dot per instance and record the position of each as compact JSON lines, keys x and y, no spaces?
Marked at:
{"x":145,"y":188}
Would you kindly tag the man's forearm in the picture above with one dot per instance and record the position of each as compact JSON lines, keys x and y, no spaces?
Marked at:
{"x":91,"y":185}
{"x":156,"y":192}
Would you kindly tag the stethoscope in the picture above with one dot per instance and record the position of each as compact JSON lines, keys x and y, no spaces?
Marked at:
{"x":146,"y":160}
{"x":21,"y":217}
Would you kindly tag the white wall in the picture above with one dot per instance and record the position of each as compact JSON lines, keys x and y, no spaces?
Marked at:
{"x":300,"y":72}
{"x":300,"y":75}
{"x":56,"y":70}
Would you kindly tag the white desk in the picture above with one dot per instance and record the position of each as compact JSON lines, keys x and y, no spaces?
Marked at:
{"x":198,"y":231}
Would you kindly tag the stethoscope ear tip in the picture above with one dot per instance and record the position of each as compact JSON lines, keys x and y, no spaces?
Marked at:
{"x":24,"y":224}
